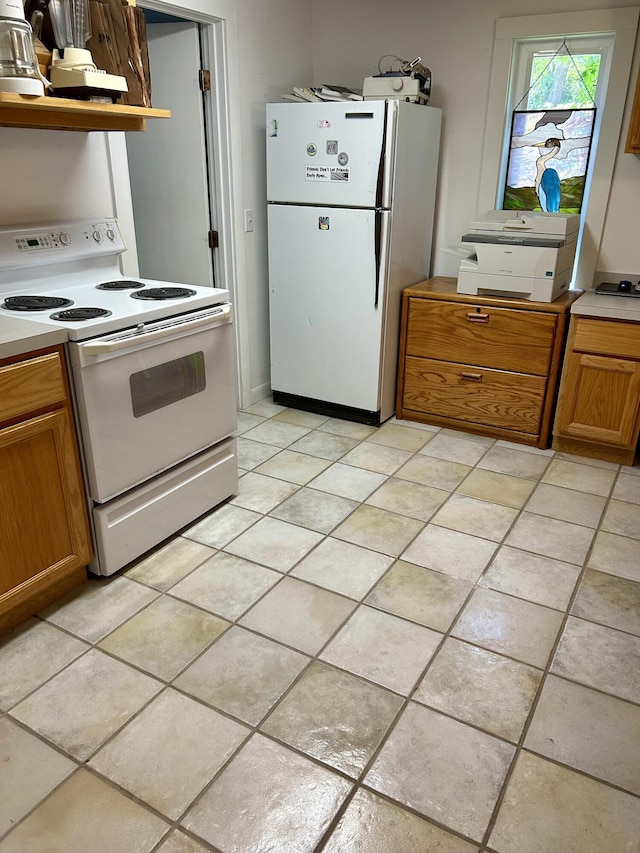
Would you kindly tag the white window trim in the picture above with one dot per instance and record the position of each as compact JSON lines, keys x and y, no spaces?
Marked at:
{"x":623,"y":24}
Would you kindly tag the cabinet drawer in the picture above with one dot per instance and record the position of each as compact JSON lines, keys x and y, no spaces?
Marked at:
{"x":29,"y":385}
{"x":605,"y":337}
{"x":475,"y":395}
{"x":499,"y":338}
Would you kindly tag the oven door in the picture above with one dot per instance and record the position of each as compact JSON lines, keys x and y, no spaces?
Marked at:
{"x":153,"y":396}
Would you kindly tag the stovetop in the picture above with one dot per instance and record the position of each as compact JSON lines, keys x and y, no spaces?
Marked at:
{"x":76,"y":264}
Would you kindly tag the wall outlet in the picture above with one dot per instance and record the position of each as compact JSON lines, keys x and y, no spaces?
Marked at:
{"x":248,"y":220}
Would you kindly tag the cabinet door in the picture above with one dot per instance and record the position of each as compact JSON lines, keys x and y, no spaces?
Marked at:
{"x":599,"y":399}
{"x":43,"y":520}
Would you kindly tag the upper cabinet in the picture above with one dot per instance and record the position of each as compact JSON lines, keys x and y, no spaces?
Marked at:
{"x":49,"y":113}
{"x":633,"y":137}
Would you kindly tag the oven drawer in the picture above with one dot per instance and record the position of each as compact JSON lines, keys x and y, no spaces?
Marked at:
{"x":501,"y":338}
{"x":30,"y":385}
{"x":475,"y":395}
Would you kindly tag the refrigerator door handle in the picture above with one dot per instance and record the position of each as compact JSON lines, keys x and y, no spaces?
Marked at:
{"x":380,"y":243}
{"x":381,"y":163}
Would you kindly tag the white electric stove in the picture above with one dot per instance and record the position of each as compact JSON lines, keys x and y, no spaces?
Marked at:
{"x":153,"y":376}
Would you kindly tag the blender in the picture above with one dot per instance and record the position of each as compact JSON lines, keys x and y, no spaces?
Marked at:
{"x":73,"y":71}
{"x":19,"y":71}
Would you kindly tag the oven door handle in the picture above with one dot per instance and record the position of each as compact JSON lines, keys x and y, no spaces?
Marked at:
{"x":177,"y":326}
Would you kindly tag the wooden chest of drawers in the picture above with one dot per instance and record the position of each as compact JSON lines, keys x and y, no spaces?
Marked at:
{"x":482,"y":364}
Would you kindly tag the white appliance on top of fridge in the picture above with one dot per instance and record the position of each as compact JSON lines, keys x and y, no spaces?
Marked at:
{"x":351,"y":191}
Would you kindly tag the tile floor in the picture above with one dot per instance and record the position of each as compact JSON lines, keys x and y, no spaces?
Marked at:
{"x":393,"y":639}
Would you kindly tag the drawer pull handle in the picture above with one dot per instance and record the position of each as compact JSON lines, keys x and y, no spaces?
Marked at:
{"x":477,"y":318}
{"x":471,"y":377}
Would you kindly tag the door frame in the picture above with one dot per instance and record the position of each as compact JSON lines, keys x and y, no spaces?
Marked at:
{"x":220,"y":55}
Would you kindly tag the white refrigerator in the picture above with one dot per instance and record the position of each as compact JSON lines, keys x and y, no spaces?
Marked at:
{"x":351,"y":191}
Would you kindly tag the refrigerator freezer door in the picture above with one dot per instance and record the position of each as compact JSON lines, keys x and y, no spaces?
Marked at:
{"x":328,"y":153}
{"x":326,"y":331}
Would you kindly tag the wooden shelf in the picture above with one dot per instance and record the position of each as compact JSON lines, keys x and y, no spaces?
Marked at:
{"x":50,"y":113}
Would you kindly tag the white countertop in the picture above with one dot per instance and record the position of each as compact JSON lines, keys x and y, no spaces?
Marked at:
{"x":18,"y":336}
{"x":592,"y":304}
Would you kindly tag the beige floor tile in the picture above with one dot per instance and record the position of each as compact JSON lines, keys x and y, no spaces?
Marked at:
{"x":276,"y":432}
{"x":383,"y":648}
{"x":260,"y":493}
{"x":525,"y":448}
{"x":589,"y":731}
{"x":497,"y":488}
{"x":305,"y":419}
{"x":247,"y":422}
{"x":171,"y":750}
{"x":274,"y":543}
{"x":430,"y":598}
{"x":164,"y":637}
{"x":443,"y":769}
{"x":373,"y":825}
{"x":551,"y":809}
{"x":454,"y":448}
{"x":609,"y":600}
{"x":268,"y":799}
{"x":414,"y":424}
{"x":559,"y":540}
{"x":509,"y":626}
{"x":242,"y":674}
{"x":169,"y":564}
{"x":315,"y":510}
{"x":221,"y":526}
{"x":622,"y":518}
{"x":265,"y":408}
{"x":475,"y":517}
{"x":587,"y":460}
{"x":253,"y":453}
{"x":86,"y":814}
{"x":226,"y":585}
{"x":378,"y":529}
{"x":348,"y":482}
{"x":406,"y":498}
{"x":342,"y":567}
{"x":85,"y":703}
{"x":376,"y":457}
{"x":567,"y":505}
{"x":324,"y":444}
{"x":616,"y":555}
{"x":627,"y":488}
{"x":450,"y":551}
{"x":347,"y":428}
{"x":334,"y":717}
{"x":538,"y":579}
{"x":582,"y":478}
{"x":300,"y":615}
{"x":178,"y":842}
{"x":439,"y":473}
{"x":479,"y":687}
{"x":401,"y":436}
{"x":294,"y":467}
{"x":599,"y":657}
{"x":97,"y":607}
{"x":468,"y":436}
{"x":520,"y":462}
{"x":29,"y":655}
{"x":30,"y":771}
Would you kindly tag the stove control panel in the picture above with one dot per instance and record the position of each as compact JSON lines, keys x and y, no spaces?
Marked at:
{"x":68,"y":241}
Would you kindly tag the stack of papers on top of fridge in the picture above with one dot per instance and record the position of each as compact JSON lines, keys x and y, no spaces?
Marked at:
{"x":304,"y":94}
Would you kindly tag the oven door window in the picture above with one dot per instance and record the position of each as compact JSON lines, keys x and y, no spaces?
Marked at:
{"x":164,"y":384}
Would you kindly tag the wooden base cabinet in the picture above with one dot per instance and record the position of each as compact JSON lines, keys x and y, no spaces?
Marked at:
{"x":487,"y":365}
{"x":44,"y":534}
{"x":599,"y":399}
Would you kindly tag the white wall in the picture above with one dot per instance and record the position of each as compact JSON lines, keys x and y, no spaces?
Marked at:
{"x":455,"y":41}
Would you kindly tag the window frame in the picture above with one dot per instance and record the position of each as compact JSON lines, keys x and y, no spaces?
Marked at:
{"x":622,"y":24}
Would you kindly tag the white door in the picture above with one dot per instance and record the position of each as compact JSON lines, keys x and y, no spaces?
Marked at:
{"x":168,"y":164}
{"x":326,"y":328}
{"x":326,"y":153}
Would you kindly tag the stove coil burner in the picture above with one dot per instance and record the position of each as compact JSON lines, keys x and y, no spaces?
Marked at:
{"x":163,"y":293}
{"x":72,"y":314}
{"x":35,"y":303}
{"x":121,"y":284}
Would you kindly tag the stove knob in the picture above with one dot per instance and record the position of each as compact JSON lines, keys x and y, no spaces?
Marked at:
{"x":111,"y":234}
{"x":97,"y":236}
{"x":65,"y":239}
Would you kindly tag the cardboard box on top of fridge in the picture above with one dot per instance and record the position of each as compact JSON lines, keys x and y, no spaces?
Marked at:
{"x":521,"y":254}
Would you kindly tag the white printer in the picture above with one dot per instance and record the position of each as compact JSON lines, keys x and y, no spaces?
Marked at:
{"x":519,"y":253}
